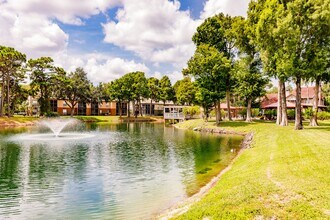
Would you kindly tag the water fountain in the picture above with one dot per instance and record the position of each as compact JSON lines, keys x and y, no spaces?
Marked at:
{"x":56,"y":125}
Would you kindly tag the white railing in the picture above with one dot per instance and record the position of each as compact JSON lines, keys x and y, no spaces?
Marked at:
{"x":173,"y":116}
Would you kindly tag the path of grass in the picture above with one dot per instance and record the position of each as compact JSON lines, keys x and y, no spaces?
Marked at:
{"x":286,"y":175}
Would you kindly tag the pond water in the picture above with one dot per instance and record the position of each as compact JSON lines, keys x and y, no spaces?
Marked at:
{"x":117,"y":171}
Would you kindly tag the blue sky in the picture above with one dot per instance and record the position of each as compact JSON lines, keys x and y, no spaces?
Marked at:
{"x":109,"y":38}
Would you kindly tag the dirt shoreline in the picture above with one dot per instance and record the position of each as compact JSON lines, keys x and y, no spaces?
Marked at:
{"x":182,"y":207}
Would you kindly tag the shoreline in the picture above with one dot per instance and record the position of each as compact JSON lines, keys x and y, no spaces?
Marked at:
{"x":183,"y":206}
{"x":13,"y":122}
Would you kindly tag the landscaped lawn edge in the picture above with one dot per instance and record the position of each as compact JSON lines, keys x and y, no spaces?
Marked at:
{"x":182,"y":207}
{"x":285,"y":175}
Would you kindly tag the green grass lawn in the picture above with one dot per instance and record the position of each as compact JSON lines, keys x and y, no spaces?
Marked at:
{"x":285,"y":175}
{"x":18,"y":118}
{"x":107,"y":119}
{"x":110,"y":119}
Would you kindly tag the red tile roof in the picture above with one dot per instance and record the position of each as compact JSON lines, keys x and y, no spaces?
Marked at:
{"x":274,"y":105}
{"x":224,"y":106}
{"x":306,"y":92}
{"x":269,"y":99}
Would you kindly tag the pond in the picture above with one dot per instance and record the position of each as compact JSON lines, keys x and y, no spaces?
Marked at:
{"x":118,"y":171}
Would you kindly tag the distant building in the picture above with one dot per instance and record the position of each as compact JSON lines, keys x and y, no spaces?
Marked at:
{"x":307,"y":99}
{"x":83,"y":108}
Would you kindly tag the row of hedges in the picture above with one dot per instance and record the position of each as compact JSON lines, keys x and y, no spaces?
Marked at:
{"x":271,"y":114}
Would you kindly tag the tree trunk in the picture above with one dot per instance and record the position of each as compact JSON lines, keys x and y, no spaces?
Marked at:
{"x":72,"y":111}
{"x":128,"y":109}
{"x":150,"y":107}
{"x":2,"y":96}
{"x":120,"y":112}
{"x":248,"y":111}
{"x":298,"y":117}
{"x":313,"y":120}
{"x":140,"y":108}
{"x":218,"y":112}
{"x":206,"y":114}
{"x":284,"y":116}
{"x":279,"y":103}
{"x":228,"y":105}
{"x":8,"y":97}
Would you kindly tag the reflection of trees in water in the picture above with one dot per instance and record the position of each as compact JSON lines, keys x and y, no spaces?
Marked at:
{"x":201,"y":156}
{"x":9,"y":171}
{"x":111,"y":170}
{"x":142,"y":150}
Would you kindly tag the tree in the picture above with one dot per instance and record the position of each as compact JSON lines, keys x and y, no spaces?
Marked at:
{"x":153,"y":87}
{"x":305,"y":28}
{"x":11,"y":73}
{"x":326,"y":94}
{"x":217,"y":31}
{"x":140,"y":88}
{"x":115,"y":90}
{"x":42,"y":76}
{"x":134,"y":87}
{"x":250,"y":80}
{"x":74,"y":88}
{"x":209,"y":67}
{"x":166,"y":92}
{"x":185,"y":91}
{"x":205,"y":98}
{"x":264,"y":17}
{"x":318,"y":52}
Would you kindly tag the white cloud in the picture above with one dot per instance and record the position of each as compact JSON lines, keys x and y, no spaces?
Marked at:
{"x":69,"y":12}
{"x":173,"y":76}
{"x":231,"y":7}
{"x":100,"y":67}
{"x":156,"y":30}
{"x":32,"y":34}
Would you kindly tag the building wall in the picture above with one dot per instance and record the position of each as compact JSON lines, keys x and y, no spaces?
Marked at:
{"x":104,"y":108}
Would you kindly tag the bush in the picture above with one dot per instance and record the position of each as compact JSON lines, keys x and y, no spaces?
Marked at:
{"x":323,"y":115}
{"x":308,"y":113}
{"x":255,"y":112}
{"x":291,"y":114}
{"x":191,"y":111}
{"x":242,"y":112}
{"x":270,"y":114}
{"x":51,"y":114}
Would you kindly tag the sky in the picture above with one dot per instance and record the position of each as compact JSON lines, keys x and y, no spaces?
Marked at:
{"x":110,"y":38}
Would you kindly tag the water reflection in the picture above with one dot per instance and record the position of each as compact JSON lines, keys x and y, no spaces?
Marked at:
{"x":126,"y":171}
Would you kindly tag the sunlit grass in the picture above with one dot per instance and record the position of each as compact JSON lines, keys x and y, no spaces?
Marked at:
{"x":285,"y":175}
{"x":18,"y":118}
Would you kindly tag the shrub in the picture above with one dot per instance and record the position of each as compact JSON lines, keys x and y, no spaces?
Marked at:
{"x":291,"y":114}
{"x":255,"y":112}
{"x":191,"y":110}
{"x":51,"y":114}
{"x":323,"y":115}
{"x":308,"y":113}
{"x":270,"y":114}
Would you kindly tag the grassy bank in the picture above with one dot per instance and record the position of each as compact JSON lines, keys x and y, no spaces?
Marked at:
{"x":285,"y":175}
{"x":17,"y":121}
{"x":115,"y":119}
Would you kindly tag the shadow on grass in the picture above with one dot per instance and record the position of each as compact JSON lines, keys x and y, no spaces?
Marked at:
{"x":318,"y":128}
{"x":242,"y":123}
{"x":321,"y":127}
